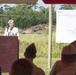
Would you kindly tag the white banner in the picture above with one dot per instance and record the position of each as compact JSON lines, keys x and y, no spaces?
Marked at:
{"x":65,"y":26}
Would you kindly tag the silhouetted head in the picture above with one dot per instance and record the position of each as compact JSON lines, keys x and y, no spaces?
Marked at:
{"x":22,"y":67}
{"x":68,"y":54}
{"x":30,"y":51}
{"x":73,"y":43}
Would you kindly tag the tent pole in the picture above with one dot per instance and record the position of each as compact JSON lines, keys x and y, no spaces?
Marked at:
{"x":50,"y":38}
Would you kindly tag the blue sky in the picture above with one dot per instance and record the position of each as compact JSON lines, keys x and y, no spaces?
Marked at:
{"x":41,"y":3}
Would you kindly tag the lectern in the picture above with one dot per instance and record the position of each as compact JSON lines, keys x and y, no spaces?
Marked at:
{"x":9,"y":52}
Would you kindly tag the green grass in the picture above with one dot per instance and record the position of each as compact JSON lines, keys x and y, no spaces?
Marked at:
{"x":40,"y":40}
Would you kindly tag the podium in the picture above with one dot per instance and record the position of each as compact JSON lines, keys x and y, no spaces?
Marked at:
{"x":9,"y":52}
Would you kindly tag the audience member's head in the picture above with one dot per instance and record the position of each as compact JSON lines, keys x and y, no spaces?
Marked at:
{"x":22,"y":67}
{"x":73,"y":43}
{"x":68,"y":54}
{"x":30,"y":51}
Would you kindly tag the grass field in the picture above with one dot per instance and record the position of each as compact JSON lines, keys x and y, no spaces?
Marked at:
{"x":41,"y":42}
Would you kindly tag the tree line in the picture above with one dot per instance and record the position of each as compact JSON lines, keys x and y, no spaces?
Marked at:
{"x":23,"y":15}
{"x":27,"y":15}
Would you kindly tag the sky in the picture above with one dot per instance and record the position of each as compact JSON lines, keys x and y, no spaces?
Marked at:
{"x":41,"y":3}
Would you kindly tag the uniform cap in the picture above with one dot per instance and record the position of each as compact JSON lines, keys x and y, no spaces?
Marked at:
{"x":69,"y":50}
{"x":31,"y":49}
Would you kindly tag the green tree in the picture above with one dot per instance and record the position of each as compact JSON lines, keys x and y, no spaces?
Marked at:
{"x":6,"y":7}
{"x":53,"y":15}
{"x":1,"y":9}
{"x":33,"y":6}
{"x":45,"y":13}
{"x":68,"y":6}
{"x":24,"y":15}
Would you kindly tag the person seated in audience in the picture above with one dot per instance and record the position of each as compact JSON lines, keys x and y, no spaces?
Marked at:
{"x":58,"y":66}
{"x":69,"y":60}
{"x":21,"y":67}
{"x":30,"y":54}
{"x":73,"y":43}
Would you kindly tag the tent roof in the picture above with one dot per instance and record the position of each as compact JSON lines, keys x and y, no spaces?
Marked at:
{"x":19,"y":1}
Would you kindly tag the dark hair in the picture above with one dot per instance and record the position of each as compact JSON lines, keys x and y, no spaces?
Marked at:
{"x":68,"y":58}
{"x":22,"y":67}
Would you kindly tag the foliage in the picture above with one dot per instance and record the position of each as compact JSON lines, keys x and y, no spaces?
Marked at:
{"x":68,"y":6}
{"x":53,"y":15}
{"x":24,"y":15}
{"x":27,"y":15}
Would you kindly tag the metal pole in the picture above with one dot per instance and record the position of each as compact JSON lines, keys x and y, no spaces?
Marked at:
{"x":50,"y":38}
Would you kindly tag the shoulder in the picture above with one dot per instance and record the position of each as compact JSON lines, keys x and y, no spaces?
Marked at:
{"x":38,"y":70}
{"x":6,"y":28}
{"x":67,"y":73}
{"x":57,"y":65}
{"x":58,"y":62}
{"x":15,"y":28}
{"x":41,"y":71}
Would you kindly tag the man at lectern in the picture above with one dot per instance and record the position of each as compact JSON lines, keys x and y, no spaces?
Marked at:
{"x":11,"y":30}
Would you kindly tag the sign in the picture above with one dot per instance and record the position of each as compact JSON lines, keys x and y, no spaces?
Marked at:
{"x":59,"y":1}
{"x":65,"y":26}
